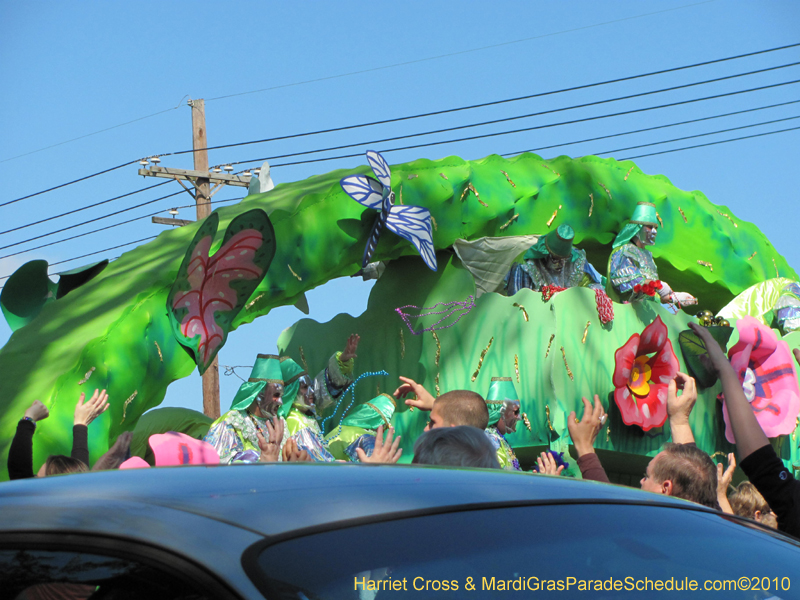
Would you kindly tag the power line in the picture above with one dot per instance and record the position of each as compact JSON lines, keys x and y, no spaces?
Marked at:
{"x":430,"y":58}
{"x":461,"y":52}
{"x":689,"y":137}
{"x":746,"y":137}
{"x":44,"y":235}
{"x":88,"y":206}
{"x":605,"y":137}
{"x":571,"y":122}
{"x":80,"y":137}
{"x":470,"y":138}
{"x":101,"y":229}
{"x":61,"y":262}
{"x":519,"y":98}
{"x":445,"y":111}
{"x":482,"y":136}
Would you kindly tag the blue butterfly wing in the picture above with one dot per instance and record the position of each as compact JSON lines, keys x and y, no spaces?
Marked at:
{"x":414,"y":224}
{"x":364,"y":190}
{"x":380,"y":167}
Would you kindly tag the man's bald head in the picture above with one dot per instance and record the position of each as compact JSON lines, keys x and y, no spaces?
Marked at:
{"x":462,"y":407}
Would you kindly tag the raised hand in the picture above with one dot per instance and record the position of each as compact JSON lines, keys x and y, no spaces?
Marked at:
{"x":37,"y":411}
{"x":584,"y":432}
{"x":86,"y":412}
{"x":680,"y":407}
{"x":724,"y":482}
{"x":547,"y":464}
{"x":116,"y":455}
{"x":385,"y":451}
{"x":424,"y":399}
{"x":291,"y":453}
{"x":716,"y":355}
{"x":350,"y":348}
{"x":271,"y":448}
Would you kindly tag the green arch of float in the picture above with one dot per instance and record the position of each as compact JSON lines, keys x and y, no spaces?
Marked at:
{"x":114,"y":331}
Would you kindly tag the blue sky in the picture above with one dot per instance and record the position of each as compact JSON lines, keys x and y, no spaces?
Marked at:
{"x":73,"y":69}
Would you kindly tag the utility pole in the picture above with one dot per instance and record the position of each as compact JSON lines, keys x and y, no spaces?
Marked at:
{"x":202,"y":199}
{"x":202,"y":179}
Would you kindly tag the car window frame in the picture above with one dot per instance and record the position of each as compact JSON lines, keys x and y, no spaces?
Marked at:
{"x":179,"y":566}
{"x":257,"y":577}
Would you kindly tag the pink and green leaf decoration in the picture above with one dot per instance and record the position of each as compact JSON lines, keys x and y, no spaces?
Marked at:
{"x":210,"y":291}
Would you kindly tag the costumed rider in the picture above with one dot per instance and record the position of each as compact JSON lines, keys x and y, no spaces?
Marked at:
{"x":358,"y":429}
{"x":305,"y":399}
{"x":787,"y":308}
{"x":553,"y":261}
{"x":251,"y":430}
{"x":503,"y":404}
{"x":631,"y":268}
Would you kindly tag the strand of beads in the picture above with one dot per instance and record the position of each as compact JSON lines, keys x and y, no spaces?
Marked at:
{"x":352,"y":389}
{"x":450,"y":309}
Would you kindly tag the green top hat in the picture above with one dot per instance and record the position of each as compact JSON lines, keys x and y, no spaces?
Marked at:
{"x":501,"y":390}
{"x":266,"y":370}
{"x":557,"y":243}
{"x":372,"y":414}
{"x":291,"y":373}
{"x":643,"y":214}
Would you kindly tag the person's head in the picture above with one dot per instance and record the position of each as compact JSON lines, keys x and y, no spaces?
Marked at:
{"x":262,"y":393}
{"x":460,"y":446}
{"x":511,"y":416}
{"x":269,"y":399}
{"x":683,"y":471}
{"x":647,"y":235}
{"x":459,"y":407}
{"x":58,"y":464}
{"x":555,"y":248}
{"x":298,"y":391}
{"x":747,"y":502}
{"x":502,"y":401}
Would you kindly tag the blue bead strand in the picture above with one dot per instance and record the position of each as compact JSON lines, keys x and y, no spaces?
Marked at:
{"x":352,"y":389}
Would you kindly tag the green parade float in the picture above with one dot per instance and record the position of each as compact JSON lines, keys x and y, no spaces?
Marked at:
{"x":137,"y":324}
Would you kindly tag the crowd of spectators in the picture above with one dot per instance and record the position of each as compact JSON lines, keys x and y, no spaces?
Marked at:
{"x":456,"y":435}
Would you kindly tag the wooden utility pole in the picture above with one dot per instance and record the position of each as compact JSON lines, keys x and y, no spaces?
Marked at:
{"x":202,"y":180}
{"x":202,"y":199}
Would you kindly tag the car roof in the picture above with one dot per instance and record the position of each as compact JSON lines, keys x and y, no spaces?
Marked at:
{"x":275,"y":499}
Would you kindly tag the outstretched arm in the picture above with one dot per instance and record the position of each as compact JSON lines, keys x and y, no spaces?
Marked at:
{"x":748,"y":433}
{"x":20,"y":454}
{"x":583,"y":434}
{"x":723,"y":483}
{"x":680,"y":407}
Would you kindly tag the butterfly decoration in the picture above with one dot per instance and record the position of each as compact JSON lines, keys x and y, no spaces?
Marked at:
{"x":412,"y":223}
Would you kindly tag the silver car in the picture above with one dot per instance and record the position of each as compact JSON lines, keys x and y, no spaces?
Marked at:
{"x":319,"y":531}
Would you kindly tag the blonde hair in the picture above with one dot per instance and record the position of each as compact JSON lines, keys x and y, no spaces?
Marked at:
{"x":745,"y":501}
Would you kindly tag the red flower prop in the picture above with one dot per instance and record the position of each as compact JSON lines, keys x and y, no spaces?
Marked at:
{"x":765,"y":367}
{"x":643,"y":368}
{"x":649,"y":289}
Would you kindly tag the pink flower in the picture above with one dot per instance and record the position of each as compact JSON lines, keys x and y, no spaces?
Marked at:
{"x":765,"y":367}
{"x":643,"y":368}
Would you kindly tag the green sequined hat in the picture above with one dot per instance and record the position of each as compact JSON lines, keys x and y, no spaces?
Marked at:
{"x":372,"y":414}
{"x":501,"y":390}
{"x":266,"y":370}
{"x":557,"y":243}
{"x":643,"y":214}
{"x":291,"y":373}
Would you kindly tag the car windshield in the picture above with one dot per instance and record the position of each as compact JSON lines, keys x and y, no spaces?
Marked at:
{"x":568,"y":547}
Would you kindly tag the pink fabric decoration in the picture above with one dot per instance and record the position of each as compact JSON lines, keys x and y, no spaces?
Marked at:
{"x":134,"y":462}
{"x":172,"y":449}
{"x":766,"y":369}
{"x":641,"y":381}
